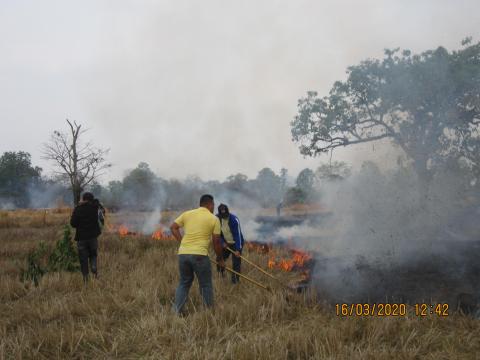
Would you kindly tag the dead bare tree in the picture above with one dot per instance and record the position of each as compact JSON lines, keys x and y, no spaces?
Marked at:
{"x":80,"y":163}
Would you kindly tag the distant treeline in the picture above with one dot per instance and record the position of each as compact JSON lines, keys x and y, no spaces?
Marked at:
{"x":22,"y":185}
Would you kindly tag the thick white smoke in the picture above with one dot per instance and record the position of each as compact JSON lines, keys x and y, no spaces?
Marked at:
{"x":384,"y":235}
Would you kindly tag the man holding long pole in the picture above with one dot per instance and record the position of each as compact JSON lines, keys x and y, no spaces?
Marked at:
{"x":232,"y":240}
{"x":200,"y":228}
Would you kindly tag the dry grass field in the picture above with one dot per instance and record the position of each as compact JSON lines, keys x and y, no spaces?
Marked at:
{"x":126,"y":313}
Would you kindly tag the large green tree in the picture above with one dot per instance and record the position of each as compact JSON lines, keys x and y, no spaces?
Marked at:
{"x":237,"y":182}
{"x":269,"y":187}
{"x":140,"y":188}
{"x":306,"y":180}
{"x":16,"y":176}
{"x":427,"y":104}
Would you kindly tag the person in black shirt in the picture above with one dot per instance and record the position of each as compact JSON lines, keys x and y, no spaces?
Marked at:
{"x":85,"y":220}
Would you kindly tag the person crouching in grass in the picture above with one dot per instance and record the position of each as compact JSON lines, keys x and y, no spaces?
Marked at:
{"x":200,"y":228}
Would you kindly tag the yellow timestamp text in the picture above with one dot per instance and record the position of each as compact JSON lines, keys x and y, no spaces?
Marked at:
{"x":431,"y":309}
{"x":371,"y":309}
{"x":391,"y":309}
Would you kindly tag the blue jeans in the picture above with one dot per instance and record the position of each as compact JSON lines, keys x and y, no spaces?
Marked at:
{"x":189,"y":266}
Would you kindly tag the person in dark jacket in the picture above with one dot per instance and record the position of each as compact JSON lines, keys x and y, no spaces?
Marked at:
{"x":85,"y":219}
{"x":232,"y":238}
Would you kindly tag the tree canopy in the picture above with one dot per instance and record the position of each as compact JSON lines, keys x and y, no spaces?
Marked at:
{"x":140,"y":187}
{"x":16,"y":176}
{"x":427,"y":104}
{"x":306,"y":180}
{"x":269,"y":187}
{"x":336,"y":170}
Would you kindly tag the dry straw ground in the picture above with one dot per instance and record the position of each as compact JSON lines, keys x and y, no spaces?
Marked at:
{"x":127,"y":312}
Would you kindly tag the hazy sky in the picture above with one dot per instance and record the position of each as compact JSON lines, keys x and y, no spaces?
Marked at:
{"x":197,"y":87}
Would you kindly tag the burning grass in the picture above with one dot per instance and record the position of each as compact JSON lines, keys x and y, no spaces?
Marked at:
{"x":126,"y":313}
{"x":286,"y":259}
{"x":160,"y":233}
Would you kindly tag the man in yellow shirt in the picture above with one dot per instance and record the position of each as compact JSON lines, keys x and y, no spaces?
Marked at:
{"x":200,"y":227}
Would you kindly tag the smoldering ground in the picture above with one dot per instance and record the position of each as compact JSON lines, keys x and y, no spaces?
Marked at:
{"x":385,"y":240}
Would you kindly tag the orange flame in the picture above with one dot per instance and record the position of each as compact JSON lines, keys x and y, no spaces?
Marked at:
{"x":123,"y":230}
{"x":300,"y":257}
{"x":159,"y":234}
{"x":286,"y":264}
{"x":297,"y":261}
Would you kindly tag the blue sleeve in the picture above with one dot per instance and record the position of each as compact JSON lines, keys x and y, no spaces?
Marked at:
{"x":236,"y":233}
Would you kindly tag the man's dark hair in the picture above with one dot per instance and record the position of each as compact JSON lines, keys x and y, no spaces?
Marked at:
{"x":206,"y":199}
{"x":87,"y":196}
{"x":223,"y":209}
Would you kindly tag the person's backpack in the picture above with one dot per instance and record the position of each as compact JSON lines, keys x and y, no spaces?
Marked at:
{"x":101,"y":218}
{"x":100,"y":214}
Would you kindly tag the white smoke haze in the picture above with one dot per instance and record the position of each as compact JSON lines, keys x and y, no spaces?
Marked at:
{"x":380,"y":229}
{"x":46,"y":196}
{"x":304,"y":232}
{"x":155,"y":79}
{"x":249,"y":227}
{"x":246,"y":208}
{"x":6,"y":204}
{"x":152,"y":221}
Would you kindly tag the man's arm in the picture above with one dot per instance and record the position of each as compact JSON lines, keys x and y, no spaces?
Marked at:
{"x":74,"y":218}
{"x":217,"y":246}
{"x":217,"y":242}
{"x":175,"y":228}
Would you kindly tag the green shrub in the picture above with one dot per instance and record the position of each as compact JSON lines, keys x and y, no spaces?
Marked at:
{"x":35,"y":267}
{"x":63,"y":258}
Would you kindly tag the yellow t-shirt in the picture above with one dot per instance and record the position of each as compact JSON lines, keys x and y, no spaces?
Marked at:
{"x":198,"y":227}
{"x":227,"y":234}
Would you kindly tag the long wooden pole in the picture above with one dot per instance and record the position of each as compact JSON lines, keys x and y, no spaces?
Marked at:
{"x":259,"y":268}
{"x":243,"y":276}
{"x":254,"y":265}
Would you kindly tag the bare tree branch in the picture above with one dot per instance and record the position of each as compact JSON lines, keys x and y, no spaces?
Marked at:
{"x":81,"y":163}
